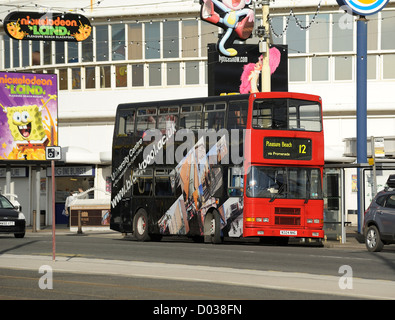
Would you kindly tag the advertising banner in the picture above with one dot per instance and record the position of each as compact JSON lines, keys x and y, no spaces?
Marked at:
{"x":48,"y":26}
{"x":242,"y":73}
{"x":28,"y":115}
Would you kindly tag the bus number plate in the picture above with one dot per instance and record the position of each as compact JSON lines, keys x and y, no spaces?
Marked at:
{"x":288,"y":233}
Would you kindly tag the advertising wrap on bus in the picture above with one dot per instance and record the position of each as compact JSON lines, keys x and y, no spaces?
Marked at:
{"x":193,"y":167}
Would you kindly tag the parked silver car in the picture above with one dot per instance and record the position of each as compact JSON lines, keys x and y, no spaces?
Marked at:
{"x":379,"y":225}
{"x":11,"y":219}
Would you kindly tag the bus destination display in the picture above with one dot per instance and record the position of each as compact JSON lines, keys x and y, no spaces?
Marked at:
{"x":286,"y":148}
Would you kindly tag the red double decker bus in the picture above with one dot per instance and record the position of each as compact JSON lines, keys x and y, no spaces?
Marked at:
{"x":284,"y":153}
{"x":215,"y":167}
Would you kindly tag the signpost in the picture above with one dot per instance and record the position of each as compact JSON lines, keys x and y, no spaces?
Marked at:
{"x":53,"y":153}
{"x":361,"y":8}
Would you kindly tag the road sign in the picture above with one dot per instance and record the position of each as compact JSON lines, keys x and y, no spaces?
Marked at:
{"x":53,"y":153}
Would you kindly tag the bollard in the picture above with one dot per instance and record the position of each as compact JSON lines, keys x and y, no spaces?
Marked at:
{"x":79,"y":223}
{"x":34,"y":226}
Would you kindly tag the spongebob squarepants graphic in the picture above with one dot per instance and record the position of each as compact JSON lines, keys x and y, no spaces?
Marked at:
{"x":28,"y":130}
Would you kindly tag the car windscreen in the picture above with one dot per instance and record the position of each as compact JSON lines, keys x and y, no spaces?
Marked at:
{"x":5,"y":203}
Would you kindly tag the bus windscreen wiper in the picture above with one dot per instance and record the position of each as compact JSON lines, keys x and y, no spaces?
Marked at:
{"x":275,"y":196}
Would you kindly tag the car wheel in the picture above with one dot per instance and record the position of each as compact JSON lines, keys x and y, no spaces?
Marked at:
{"x":140,"y":225}
{"x":19,"y":235}
{"x":373,"y":240}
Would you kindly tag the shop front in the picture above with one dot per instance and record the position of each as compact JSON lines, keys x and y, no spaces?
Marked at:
{"x":71,"y":181}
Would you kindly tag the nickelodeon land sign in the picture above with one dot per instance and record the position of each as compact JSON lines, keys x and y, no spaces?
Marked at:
{"x":48,"y":26}
{"x":28,"y":115}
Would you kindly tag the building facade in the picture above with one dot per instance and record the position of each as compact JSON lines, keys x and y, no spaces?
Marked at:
{"x":142,"y":51}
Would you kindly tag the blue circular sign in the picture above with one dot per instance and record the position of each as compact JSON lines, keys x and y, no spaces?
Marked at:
{"x":363,"y":7}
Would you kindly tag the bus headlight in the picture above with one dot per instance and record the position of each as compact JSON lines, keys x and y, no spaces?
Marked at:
{"x":309,"y":220}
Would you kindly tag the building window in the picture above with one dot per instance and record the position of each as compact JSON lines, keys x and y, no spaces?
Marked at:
{"x":372,"y":67}
{"x":343,"y":68}
{"x":72,"y":51}
{"x":101,"y":43}
{"x":373,"y":31}
{"x":76,"y":78}
{"x":319,"y":34}
{"x":208,"y":35}
{"x":135,"y":39}
{"x":63,"y":79}
{"x":152,"y":40}
{"x":118,"y":42}
{"x":121,"y":76}
{"x":277,"y":24}
{"x":87,"y":50}
{"x":173,"y":74}
{"x":90,"y":77}
{"x":105,"y":77}
{"x":342,"y":33}
{"x":170,"y":39}
{"x":388,"y":66}
{"x":138,"y":75}
{"x":192,"y":72}
{"x":155,"y":74}
{"x":59,"y":52}
{"x":25,"y":53}
{"x":15,"y":55}
{"x":190,"y":43}
{"x":319,"y":67}
{"x":297,"y":69}
{"x":47,"y":52}
{"x":296,"y":38}
{"x":387,"y":30}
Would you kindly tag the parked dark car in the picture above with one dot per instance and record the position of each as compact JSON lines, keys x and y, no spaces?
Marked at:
{"x":11,"y":220}
{"x":379,"y":225}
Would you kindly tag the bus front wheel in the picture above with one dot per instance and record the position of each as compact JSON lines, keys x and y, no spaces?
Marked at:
{"x":212,"y":227}
{"x":140,"y":225}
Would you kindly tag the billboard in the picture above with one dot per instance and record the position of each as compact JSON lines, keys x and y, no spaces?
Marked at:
{"x":28,"y":115}
{"x":242,"y":73}
{"x":48,"y":26}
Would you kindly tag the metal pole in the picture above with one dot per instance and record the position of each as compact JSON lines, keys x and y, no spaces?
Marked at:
{"x":373,"y":148}
{"x":362,"y":26}
{"x":53,"y":210}
{"x":79,"y":231}
{"x":266,"y":75}
{"x":38,"y":186}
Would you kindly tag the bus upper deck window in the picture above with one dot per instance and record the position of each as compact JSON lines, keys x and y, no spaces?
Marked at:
{"x":146,"y":119}
{"x":191,"y":116}
{"x":237,"y":114}
{"x":214,"y":116}
{"x":168,"y":117}
{"x":126,"y":123}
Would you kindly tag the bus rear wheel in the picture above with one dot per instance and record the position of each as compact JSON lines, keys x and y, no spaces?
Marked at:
{"x":140,"y":225}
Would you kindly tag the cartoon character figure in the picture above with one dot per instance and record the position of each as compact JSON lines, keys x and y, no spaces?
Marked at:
{"x":233,"y":16}
{"x":14,"y":29}
{"x":25,"y":123}
{"x":251,"y":71}
{"x":84,"y":31}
